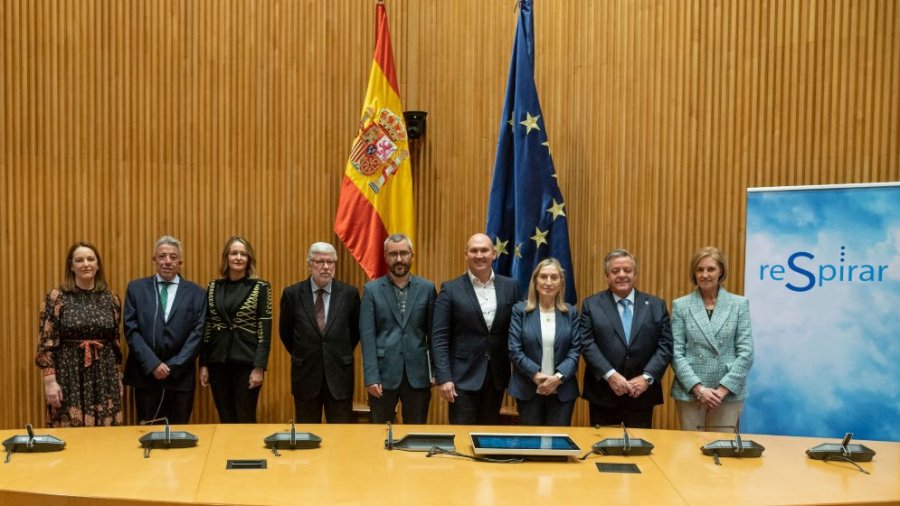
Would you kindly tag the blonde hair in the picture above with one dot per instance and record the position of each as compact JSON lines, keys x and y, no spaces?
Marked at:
{"x":531,"y":303}
{"x":711,"y":252}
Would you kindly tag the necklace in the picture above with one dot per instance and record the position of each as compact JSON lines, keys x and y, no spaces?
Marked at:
{"x":548,"y":313}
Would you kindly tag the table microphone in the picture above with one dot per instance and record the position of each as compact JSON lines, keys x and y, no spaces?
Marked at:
{"x":292,"y":440}
{"x":737,"y":447}
{"x":737,"y":435}
{"x":844,"y":451}
{"x":166,"y":439}
{"x":30,"y":443}
{"x":168,"y":432}
{"x":625,"y":446}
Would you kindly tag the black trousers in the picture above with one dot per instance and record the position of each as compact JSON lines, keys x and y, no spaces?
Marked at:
{"x":415,"y":404}
{"x":336,"y":410}
{"x":478,"y":407}
{"x":641,"y":418}
{"x":545,"y":410}
{"x":235,"y":402}
{"x":153,"y":403}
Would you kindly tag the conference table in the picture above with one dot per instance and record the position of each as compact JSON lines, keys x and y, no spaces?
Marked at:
{"x":107,"y":466}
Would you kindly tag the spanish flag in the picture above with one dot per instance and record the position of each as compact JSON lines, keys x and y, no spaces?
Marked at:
{"x":376,"y":193}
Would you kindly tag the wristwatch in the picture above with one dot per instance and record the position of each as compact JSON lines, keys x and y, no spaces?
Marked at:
{"x":648,"y":378}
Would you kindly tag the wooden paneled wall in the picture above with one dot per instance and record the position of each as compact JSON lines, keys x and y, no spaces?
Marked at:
{"x":124,"y":120}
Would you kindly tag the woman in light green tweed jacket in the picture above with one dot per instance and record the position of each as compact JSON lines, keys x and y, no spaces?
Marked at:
{"x":713,"y":347}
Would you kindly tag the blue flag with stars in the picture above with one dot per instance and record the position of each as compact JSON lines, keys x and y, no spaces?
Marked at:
{"x":526,"y":211}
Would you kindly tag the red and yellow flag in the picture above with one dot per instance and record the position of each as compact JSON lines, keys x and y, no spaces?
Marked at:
{"x":376,"y":193}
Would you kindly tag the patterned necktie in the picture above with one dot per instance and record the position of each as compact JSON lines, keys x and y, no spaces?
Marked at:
{"x":626,"y":318}
{"x":320,"y":309}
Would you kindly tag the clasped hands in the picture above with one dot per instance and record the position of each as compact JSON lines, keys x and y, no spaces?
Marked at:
{"x":710,"y":398}
{"x":546,"y":383}
{"x":632,"y":388}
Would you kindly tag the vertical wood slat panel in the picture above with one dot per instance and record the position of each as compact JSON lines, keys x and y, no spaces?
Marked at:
{"x":124,"y":121}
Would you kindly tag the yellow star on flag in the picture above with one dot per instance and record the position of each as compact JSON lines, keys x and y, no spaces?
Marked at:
{"x":530,"y":123}
{"x":518,"y":252}
{"x":500,"y":247}
{"x":512,"y":119}
{"x":557,"y":209}
{"x":539,"y":237}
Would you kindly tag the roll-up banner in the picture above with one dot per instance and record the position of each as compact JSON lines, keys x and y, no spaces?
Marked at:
{"x":823,"y":279}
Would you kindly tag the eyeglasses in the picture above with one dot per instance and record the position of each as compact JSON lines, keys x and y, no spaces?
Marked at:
{"x":323,"y":263}
{"x":403,"y":255}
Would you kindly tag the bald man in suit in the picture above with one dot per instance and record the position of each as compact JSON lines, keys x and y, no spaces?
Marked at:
{"x":470,"y":337}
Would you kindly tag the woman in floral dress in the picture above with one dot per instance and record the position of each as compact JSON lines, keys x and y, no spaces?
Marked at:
{"x":78,"y":346}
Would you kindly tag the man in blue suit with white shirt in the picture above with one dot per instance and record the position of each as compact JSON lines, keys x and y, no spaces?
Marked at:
{"x":163,"y":316}
{"x":627,"y":345}
{"x":394,"y":328}
{"x":470,"y":337}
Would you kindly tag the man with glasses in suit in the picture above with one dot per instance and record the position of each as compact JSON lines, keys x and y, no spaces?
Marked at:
{"x":319,"y":326}
{"x":395,"y":326}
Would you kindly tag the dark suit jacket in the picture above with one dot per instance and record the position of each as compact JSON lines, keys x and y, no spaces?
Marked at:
{"x":526,"y":351}
{"x":391,"y":342}
{"x":604,"y":348}
{"x":152,"y":341}
{"x":461,"y":342}
{"x":244,"y":337}
{"x":316,"y":354}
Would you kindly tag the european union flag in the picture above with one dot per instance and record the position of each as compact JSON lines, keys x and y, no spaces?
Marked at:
{"x":526,"y":211}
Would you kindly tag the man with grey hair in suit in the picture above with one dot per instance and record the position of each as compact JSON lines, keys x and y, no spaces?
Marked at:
{"x":319,"y":326}
{"x":394,"y":327}
{"x":627,"y":345}
{"x":163,"y":318}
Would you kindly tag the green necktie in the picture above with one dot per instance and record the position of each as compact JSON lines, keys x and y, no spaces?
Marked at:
{"x":164,"y":295}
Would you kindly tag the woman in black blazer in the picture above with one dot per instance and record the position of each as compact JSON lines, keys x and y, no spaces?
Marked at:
{"x":238,"y":334}
{"x":544,"y":348}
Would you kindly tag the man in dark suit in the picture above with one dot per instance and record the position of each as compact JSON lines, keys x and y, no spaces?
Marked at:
{"x":394,"y":324}
{"x":319,"y":327}
{"x":469,"y":338}
{"x":627,"y":345}
{"x":163,"y":317}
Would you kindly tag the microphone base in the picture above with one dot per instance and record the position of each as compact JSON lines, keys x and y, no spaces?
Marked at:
{"x":729,"y":448}
{"x":831,"y":451}
{"x":616,"y":446}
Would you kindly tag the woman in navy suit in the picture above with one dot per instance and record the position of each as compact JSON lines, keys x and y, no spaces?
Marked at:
{"x":544,"y":347}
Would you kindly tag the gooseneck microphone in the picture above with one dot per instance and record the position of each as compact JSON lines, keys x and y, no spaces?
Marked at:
{"x":389,"y":444}
{"x":30,"y":430}
{"x":845,"y":443}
